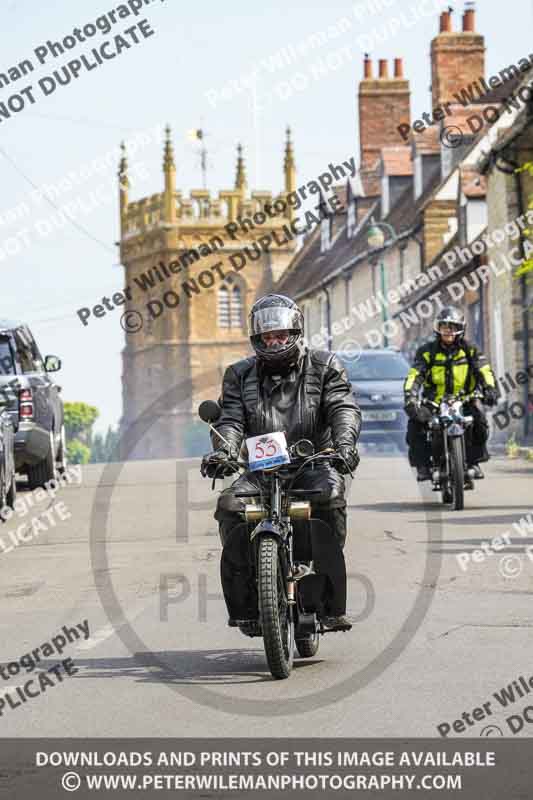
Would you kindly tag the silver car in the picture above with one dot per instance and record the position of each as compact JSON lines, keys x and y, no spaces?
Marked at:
{"x":377,"y":378}
{"x":33,"y":402}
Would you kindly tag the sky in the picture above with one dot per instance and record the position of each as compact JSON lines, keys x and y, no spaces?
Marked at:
{"x":240,"y":72}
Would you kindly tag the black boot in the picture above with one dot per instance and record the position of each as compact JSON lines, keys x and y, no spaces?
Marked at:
{"x":423,"y":473}
{"x":340,"y":623}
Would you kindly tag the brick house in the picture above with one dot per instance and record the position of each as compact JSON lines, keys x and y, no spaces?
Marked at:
{"x":440,"y":203}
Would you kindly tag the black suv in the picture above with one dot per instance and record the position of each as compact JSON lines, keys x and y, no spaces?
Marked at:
{"x":8,"y":483}
{"x":377,"y":378}
{"x":33,"y":402}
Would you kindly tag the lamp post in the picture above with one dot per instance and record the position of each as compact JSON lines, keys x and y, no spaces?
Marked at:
{"x":377,"y":241}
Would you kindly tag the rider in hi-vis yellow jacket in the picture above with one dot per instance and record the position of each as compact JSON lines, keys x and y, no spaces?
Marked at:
{"x":448,"y":365}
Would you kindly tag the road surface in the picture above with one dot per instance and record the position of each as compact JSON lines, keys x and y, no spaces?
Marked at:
{"x":433,"y":640}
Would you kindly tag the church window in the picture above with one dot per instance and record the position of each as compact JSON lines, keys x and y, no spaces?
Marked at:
{"x":223,"y":308}
{"x":236,"y":308}
{"x":229,"y":307}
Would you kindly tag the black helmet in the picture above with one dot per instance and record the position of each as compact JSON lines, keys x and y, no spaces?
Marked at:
{"x":275,"y":312}
{"x":453,"y":317}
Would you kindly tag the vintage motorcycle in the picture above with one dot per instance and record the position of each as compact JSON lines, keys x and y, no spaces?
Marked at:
{"x":291,"y":558}
{"x":446,"y":432}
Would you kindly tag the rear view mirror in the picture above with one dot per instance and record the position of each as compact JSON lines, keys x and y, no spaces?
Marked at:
{"x":52,"y":364}
{"x":209,"y":411}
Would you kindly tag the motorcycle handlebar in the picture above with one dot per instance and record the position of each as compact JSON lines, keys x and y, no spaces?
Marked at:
{"x":328,"y":452}
{"x":476,"y":395}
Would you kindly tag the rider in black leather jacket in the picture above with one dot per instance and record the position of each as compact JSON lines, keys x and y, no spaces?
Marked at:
{"x":305,"y":393}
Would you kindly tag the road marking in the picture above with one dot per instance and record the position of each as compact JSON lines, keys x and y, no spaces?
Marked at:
{"x":110,"y":629}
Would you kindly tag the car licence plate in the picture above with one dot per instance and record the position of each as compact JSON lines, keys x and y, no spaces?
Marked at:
{"x":379,"y":416}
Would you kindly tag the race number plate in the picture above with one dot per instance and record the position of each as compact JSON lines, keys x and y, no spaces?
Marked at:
{"x":267,"y":451}
{"x":379,"y":416}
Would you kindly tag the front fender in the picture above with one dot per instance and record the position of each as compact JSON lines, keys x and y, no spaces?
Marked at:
{"x":268,"y":527}
{"x":455,"y":430}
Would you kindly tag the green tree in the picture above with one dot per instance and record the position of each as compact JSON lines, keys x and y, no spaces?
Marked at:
{"x":79,"y":420}
{"x":105,"y":449}
{"x":77,"y":452}
{"x":97,"y":449}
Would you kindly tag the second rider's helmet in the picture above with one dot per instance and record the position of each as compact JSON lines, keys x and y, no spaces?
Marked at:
{"x":453,"y":318}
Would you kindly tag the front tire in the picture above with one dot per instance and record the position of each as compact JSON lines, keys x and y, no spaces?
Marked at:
{"x":457,"y":473}
{"x":12,"y":492}
{"x":61,"y":459}
{"x":276,"y":616}
{"x":45,"y":470}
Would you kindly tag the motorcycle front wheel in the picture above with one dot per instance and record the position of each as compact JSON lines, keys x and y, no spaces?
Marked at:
{"x":457,"y":472}
{"x":276,"y":616}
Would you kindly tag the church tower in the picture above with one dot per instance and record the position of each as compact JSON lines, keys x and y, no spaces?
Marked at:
{"x":193,"y":267}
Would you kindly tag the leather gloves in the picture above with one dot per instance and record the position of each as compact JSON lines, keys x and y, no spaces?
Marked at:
{"x":423,"y":414}
{"x":216,"y":464}
{"x":416,"y":411}
{"x":490,"y":396}
{"x":346,"y":460}
{"x":411,"y":407}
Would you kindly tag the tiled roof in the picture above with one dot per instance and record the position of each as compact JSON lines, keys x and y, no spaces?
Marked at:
{"x":312,"y":267}
{"x":500,"y":93}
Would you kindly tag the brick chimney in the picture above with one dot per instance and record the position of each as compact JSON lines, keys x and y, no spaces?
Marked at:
{"x":384,"y":104}
{"x":457,"y":58}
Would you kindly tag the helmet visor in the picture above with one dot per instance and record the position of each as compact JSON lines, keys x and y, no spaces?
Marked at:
{"x":450,"y":325}
{"x":274,"y":318}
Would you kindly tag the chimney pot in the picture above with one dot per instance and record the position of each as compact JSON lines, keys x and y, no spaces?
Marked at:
{"x":469,"y":20}
{"x":398,"y":68}
{"x":446,"y":22}
{"x":383,"y":68}
{"x":367,"y":66}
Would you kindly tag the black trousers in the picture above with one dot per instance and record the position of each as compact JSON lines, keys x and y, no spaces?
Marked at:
{"x":235,"y":566}
{"x":476,"y":438}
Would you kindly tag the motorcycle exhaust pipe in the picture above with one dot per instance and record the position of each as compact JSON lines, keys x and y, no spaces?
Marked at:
{"x":254,"y":512}
{"x":300,"y":509}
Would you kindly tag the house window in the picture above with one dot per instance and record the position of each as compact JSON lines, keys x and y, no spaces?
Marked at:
{"x":229,"y":307}
{"x":236,"y":308}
